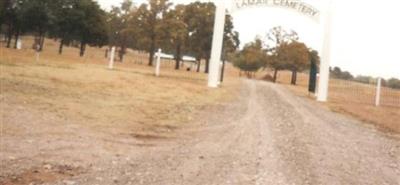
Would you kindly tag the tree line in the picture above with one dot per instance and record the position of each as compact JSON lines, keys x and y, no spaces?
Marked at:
{"x":69,"y":21}
{"x":280,"y":50}
{"x":338,"y":73}
{"x":177,"y":29}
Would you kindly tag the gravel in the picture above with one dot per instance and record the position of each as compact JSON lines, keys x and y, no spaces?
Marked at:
{"x":268,"y":136}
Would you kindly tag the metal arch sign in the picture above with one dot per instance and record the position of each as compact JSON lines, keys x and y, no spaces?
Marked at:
{"x":295,"y":5}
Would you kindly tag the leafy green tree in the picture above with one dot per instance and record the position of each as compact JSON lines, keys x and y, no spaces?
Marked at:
{"x":92,"y":28}
{"x":231,"y":38}
{"x":150,"y":17}
{"x":176,"y":33}
{"x":121,"y":27}
{"x":3,"y":6}
{"x":231,"y":43}
{"x":38,"y":16}
{"x":12,"y":18}
{"x":67,"y":24}
{"x":200,"y":20}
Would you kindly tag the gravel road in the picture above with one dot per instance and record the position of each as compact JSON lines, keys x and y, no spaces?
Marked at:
{"x":268,"y":136}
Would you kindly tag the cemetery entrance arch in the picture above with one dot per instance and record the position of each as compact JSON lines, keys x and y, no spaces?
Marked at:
{"x":321,"y":18}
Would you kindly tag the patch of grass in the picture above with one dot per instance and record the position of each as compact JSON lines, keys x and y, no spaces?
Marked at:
{"x":129,"y":98}
{"x":10,"y":64}
{"x":61,"y":66}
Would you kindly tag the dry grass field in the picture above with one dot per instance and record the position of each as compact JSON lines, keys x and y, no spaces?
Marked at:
{"x":83,"y":89}
{"x":131,"y":97}
{"x":355,"y":99}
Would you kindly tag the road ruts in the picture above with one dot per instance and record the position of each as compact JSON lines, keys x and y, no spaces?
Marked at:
{"x":268,"y":136}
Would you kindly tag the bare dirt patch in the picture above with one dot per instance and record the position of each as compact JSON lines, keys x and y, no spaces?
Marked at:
{"x":150,"y":137}
{"x":41,"y":175}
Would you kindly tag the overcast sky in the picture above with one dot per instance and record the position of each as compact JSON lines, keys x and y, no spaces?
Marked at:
{"x":365,"y":33}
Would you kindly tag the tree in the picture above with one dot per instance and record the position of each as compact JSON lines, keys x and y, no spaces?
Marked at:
{"x":314,"y":56}
{"x":92,"y":28}
{"x":176,"y":33}
{"x":12,"y":18}
{"x":276,"y":37}
{"x":251,"y":58}
{"x":68,"y":22}
{"x":3,"y":6}
{"x":121,"y":26}
{"x":200,"y":20}
{"x":231,"y":42}
{"x":38,"y":16}
{"x":231,"y":38}
{"x":150,"y":19}
{"x":296,"y":57}
{"x":364,"y":79}
{"x":393,"y":83}
{"x":338,"y":73}
{"x":347,"y":76}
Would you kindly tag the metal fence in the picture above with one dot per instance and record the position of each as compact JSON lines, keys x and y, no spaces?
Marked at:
{"x":360,"y":93}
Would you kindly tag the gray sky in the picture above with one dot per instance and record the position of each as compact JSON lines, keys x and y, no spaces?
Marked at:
{"x":365,"y":33}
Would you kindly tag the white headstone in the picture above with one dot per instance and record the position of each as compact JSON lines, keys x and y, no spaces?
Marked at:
{"x":158,"y":62}
{"x":112,"y":55}
{"x":19,"y":44}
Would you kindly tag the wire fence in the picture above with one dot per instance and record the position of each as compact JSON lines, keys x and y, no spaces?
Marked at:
{"x":390,"y":97}
{"x":359,"y":93}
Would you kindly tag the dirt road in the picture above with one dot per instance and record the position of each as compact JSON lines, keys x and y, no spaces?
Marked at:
{"x":268,"y":136}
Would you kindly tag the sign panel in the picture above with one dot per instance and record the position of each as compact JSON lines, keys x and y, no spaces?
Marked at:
{"x":296,"y":5}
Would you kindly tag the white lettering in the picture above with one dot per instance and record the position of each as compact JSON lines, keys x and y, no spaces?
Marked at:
{"x":296,"y":5}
